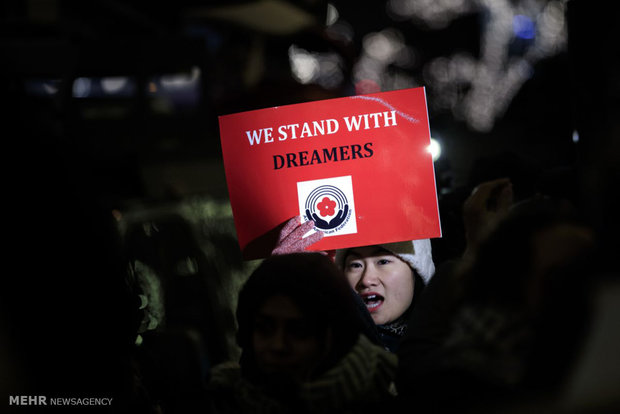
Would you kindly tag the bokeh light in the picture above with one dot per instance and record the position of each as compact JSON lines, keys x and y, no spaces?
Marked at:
{"x":324,"y":69}
{"x":435,"y":149}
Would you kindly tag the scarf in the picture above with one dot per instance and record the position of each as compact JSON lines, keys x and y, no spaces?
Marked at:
{"x":363,"y":378}
{"x":391,"y":333}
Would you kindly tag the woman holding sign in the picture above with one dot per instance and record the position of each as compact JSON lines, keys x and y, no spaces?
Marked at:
{"x":388,"y":278}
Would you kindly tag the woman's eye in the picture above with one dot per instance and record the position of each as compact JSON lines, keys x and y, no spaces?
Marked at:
{"x":383,"y":261}
{"x":354,"y":265}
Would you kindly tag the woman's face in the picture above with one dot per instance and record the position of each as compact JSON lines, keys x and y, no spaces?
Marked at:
{"x":383,"y":280}
{"x":285,"y":343}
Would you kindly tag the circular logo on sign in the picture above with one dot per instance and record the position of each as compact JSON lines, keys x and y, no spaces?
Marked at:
{"x":328,"y":207}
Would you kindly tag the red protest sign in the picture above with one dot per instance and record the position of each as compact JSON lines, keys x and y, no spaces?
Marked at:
{"x":358,"y":166}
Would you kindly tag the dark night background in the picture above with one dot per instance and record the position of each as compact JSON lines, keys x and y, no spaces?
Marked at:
{"x":112,"y":155}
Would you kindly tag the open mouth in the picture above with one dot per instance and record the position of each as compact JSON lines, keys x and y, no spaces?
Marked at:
{"x":372,"y":301}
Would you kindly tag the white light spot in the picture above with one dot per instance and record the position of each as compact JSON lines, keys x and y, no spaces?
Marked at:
{"x":81,"y":87}
{"x":304,"y":65}
{"x":50,"y":88}
{"x":113,"y":84}
{"x":181,"y":80}
{"x":332,"y":15}
{"x":435,"y":149}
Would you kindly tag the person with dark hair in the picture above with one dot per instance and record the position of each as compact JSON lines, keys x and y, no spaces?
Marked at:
{"x":506,"y":324}
{"x":303,"y":347}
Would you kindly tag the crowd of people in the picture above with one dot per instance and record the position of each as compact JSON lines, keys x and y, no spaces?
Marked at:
{"x":505,"y":326}
{"x":500,"y":328}
{"x":522,"y":319}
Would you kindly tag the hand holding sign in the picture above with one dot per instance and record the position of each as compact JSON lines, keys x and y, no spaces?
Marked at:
{"x":292,"y":240}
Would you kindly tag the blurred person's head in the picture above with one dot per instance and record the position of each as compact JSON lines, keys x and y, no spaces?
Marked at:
{"x":297,"y":317}
{"x":538,"y":267}
{"x":541,"y":243}
{"x":388,"y":277}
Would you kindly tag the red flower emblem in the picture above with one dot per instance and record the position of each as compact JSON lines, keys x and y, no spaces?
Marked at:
{"x":326,"y":207}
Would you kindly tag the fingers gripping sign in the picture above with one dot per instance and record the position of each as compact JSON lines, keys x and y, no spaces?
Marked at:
{"x":291,"y":238}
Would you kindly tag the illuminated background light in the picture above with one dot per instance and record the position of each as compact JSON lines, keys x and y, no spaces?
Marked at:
{"x":435,"y":149}
{"x":323,"y":69}
{"x":113,"y":85}
{"x":304,"y":65}
{"x":181,"y":80}
{"x":81,"y":87}
{"x":51,"y":88}
{"x":523,"y":27}
{"x":332,"y":15}
{"x":366,"y":86}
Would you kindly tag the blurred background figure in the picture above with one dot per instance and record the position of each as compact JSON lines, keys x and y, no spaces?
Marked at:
{"x":513,"y":316}
{"x":68,"y":311}
{"x":175,"y":341}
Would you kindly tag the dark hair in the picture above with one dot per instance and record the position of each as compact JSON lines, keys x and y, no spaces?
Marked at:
{"x":418,"y":287}
{"x":502,"y":269}
{"x":553,"y":301}
{"x":318,"y":288}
